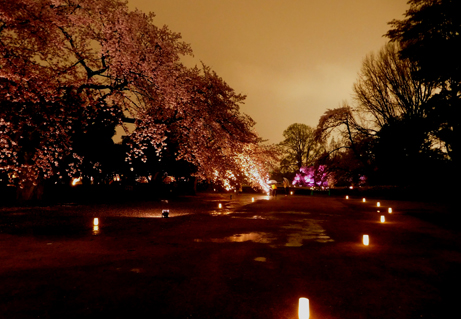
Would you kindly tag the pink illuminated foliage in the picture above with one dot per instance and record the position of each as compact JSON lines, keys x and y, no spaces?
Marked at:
{"x":66,"y":66}
{"x":317,"y":177}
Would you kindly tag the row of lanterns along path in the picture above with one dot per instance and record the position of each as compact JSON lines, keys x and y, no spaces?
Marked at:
{"x":366,"y":238}
{"x":303,"y":306}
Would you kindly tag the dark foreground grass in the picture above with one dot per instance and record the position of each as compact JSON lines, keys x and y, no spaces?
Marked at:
{"x":246,"y":260}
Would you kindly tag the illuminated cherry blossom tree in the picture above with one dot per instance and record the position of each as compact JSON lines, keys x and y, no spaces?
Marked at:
{"x":67,"y":65}
{"x":210,"y":132}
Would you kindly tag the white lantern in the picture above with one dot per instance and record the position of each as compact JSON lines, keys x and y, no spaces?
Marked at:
{"x":389,"y":210}
{"x":303,"y":308}
{"x":252,"y":199}
{"x":366,"y":240}
{"x":383,"y":219}
{"x":378,"y":204}
{"x":96,"y":221}
{"x":347,"y":196}
{"x":220,"y":205}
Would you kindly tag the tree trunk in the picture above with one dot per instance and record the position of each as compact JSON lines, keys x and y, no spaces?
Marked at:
{"x":29,"y":191}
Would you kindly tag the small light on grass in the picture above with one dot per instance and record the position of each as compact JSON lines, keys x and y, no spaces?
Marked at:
{"x":96,"y":221}
{"x":347,"y":196}
{"x":76,"y":181}
{"x":378,"y":204}
{"x":383,"y":219}
{"x":363,"y":200}
{"x":219,"y":205}
{"x":389,"y":210}
{"x":252,"y":199}
{"x":291,"y":193}
{"x":366,"y":240}
{"x":303,"y":308}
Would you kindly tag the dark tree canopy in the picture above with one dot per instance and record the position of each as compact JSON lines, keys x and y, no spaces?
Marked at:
{"x":388,"y":130}
{"x":430,"y":37}
{"x":299,"y":147}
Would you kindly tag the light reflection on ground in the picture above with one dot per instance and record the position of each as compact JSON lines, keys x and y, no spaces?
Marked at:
{"x":252,"y":217}
{"x":279,"y":231}
{"x":302,"y":230}
{"x":263,"y":238}
{"x":171,"y":214}
{"x":220,"y":212}
{"x":307,"y":230}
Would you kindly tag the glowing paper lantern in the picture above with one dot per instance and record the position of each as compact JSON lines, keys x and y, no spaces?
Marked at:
{"x":291,"y":193}
{"x":383,"y":219}
{"x":378,"y":204}
{"x":95,"y":226}
{"x":366,"y":240}
{"x":220,"y":205}
{"x":389,"y":210}
{"x":363,"y":200}
{"x":347,"y":197}
{"x":303,"y":308}
{"x":252,"y":199}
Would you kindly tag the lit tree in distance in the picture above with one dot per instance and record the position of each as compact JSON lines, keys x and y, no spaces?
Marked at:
{"x":312,"y":177}
{"x":66,"y":66}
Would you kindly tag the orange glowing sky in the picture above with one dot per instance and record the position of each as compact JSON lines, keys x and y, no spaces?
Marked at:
{"x":294,"y":59}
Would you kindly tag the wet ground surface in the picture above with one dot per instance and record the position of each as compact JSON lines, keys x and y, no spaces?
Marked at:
{"x":244,"y":260}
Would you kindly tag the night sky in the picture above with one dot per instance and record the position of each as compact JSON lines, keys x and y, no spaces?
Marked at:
{"x":294,"y":59}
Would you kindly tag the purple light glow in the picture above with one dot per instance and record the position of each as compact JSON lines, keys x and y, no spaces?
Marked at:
{"x":311,"y":177}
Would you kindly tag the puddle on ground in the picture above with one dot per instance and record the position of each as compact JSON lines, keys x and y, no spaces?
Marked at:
{"x":295,"y":234}
{"x":307,"y":230}
{"x":136,"y":270}
{"x":262,"y":238}
{"x":220,"y":212}
{"x":251,"y":217}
